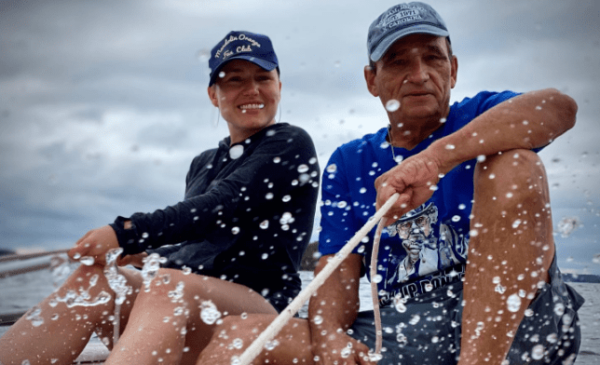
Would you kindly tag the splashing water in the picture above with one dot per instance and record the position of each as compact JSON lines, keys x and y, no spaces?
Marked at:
{"x":150,"y":269}
{"x":177,"y":294}
{"x":208,"y":312}
{"x":59,"y":268}
{"x":87,"y":260}
{"x":118,"y":284}
{"x":34,"y":316}
{"x":567,"y":225}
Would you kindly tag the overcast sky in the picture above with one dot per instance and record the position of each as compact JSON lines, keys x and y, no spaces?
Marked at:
{"x":103,"y":104}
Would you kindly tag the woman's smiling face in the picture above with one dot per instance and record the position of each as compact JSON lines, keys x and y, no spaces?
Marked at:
{"x":247,"y":97}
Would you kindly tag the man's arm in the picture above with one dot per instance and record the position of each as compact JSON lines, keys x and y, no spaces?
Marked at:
{"x":332,"y":310}
{"x":527,"y":121}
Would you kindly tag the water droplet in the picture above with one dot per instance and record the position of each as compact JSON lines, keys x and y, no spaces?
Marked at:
{"x":222,"y":74}
{"x":500,"y":289}
{"x":567,"y":225}
{"x":286,"y":198}
{"x":450,"y":146}
{"x":559,"y":309}
{"x":331,"y":168}
{"x":516,"y":223}
{"x":552,"y":338}
{"x":34,"y":316}
{"x":236,"y":151}
{"x":399,"y":303}
{"x":208,"y":312}
{"x":303,"y":178}
{"x":264,"y":224}
{"x":87,"y":260}
{"x":203,"y":55}
{"x":269,"y":196}
{"x":345,"y":353}
{"x":270,"y":345}
{"x":302,"y":168}
{"x":264,"y":256}
{"x":277,"y":159}
{"x":237,"y":343}
{"x":235,"y":230}
{"x":513,"y":303}
{"x":342,"y":204}
{"x":77,"y":256}
{"x":414,"y":319}
{"x":456,"y":218}
{"x":537,"y":352}
{"x":362,"y":190}
{"x":377,"y":279}
{"x":317,"y":319}
{"x":481,"y":158}
{"x":392,"y":105}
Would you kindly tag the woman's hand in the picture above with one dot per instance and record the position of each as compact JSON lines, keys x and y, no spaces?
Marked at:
{"x":136,"y":260}
{"x":96,"y":243}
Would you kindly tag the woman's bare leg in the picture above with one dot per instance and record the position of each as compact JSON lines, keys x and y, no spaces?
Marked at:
{"x":66,"y":329}
{"x":291,"y":346}
{"x":165,"y":326}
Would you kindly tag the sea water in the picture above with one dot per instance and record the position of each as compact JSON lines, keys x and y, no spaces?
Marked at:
{"x":21,"y":292}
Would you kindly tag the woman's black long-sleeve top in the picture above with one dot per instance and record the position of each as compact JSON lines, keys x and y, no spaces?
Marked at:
{"x":247,"y":215}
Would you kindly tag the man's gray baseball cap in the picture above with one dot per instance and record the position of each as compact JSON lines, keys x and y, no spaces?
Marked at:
{"x":399,"y":21}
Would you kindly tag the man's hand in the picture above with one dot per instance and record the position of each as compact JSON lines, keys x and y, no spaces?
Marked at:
{"x":96,"y":243}
{"x":341,"y":349}
{"x":414,"y":179}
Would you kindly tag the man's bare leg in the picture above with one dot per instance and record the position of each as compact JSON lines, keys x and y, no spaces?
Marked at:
{"x":510,"y":252}
{"x":65,"y":331}
{"x":165,"y":325}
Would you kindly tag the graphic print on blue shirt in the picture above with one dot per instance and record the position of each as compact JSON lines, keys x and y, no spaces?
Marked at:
{"x":427,"y":249}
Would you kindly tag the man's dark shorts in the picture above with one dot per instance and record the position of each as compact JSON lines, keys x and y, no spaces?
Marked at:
{"x":430,"y":329}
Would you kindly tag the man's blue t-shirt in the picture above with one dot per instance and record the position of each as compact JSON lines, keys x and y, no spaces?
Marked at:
{"x":427,"y":247}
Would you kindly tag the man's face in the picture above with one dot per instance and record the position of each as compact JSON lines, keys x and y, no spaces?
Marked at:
{"x":416,"y":229}
{"x":418,"y":72}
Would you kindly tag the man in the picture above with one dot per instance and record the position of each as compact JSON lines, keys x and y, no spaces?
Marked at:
{"x":468,"y":183}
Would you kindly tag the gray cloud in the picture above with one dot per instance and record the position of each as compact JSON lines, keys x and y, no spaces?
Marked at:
{"x":103,"y":104}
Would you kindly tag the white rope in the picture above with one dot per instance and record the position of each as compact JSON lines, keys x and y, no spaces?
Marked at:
{"x":374,"y":295}
{"x":273,"y":329}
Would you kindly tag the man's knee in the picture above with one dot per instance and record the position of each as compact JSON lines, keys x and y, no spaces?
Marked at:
{"x":513,"y":176}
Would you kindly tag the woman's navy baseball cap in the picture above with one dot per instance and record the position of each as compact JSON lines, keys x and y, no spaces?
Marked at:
{"x":241,"y":45}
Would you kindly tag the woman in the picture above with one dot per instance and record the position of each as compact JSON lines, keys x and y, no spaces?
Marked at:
{"x":241,"y":229}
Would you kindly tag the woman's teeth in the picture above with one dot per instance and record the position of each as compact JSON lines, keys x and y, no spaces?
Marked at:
{"x":252,"y":106}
